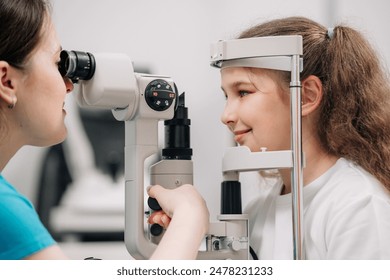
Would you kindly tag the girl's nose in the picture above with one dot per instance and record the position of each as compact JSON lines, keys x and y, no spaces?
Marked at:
{"x":229,"y":115}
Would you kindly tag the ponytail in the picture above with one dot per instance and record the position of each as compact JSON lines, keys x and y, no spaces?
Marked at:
{"x":355,"y":114}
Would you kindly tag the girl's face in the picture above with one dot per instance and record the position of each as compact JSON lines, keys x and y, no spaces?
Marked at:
{"x":41,"y":95}
{"x":257,"y":110}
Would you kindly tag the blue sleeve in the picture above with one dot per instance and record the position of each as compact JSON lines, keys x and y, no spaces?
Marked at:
{"x":21,"y":231}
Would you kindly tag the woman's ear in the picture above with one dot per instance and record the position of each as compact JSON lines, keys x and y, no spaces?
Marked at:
{"x":311,"y":94}
{"x":7,"y":90}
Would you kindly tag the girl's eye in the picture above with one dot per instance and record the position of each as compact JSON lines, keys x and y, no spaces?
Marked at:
{"x":243,"y":93}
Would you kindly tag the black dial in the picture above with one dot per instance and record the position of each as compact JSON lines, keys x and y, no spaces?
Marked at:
{"x":159,"y":95}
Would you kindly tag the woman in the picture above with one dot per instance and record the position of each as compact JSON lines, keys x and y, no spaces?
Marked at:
{"x":32,"y":94}
{"x":346,"y":142}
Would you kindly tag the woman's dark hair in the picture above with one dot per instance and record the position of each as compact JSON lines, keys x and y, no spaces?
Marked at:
{"x":354,"y":115}
{"x":21,"y":23}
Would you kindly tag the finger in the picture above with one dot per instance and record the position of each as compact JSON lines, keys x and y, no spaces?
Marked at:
{"x":156,"y":218}
{"x":152,"y":191}
{"x":165,"y":219}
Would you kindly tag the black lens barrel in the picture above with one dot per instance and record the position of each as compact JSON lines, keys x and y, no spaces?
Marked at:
{"x":177,"y":134}
{"x":77,"y":65}
{"x":231,"y":198}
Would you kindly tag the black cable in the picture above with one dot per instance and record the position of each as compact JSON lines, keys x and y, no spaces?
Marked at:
{"x":253,"y":254}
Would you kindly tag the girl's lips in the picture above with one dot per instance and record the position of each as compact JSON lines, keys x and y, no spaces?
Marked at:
{"x":239,"y":134}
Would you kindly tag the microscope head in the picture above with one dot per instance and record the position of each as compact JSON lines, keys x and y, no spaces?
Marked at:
{"x":108,"y":81}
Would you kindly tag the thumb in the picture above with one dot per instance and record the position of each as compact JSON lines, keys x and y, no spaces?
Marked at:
{"x":155,"y":190}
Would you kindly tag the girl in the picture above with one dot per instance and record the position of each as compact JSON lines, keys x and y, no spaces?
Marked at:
{"x":346,"y":142}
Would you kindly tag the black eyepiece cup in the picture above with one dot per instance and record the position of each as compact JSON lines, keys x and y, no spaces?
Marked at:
{"x":77,"y":65}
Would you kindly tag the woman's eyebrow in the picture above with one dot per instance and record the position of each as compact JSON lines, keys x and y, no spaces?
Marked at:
{"x":59,"y":49}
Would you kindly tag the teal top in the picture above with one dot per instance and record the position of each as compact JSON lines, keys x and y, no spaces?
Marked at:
{"x":21,"y":231}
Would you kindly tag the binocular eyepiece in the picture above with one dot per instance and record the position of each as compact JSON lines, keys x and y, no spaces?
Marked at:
{"x":77,"y":65}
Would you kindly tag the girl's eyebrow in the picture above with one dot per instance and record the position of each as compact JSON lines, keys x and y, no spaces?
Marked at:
{"x":237,"y":84}
{"x":224,"y":92}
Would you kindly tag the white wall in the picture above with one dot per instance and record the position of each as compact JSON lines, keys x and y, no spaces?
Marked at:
{"x":172,"y":37}
{"x":370,"y":17}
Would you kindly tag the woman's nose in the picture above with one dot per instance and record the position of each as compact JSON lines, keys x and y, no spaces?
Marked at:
{"x":68,"y":84}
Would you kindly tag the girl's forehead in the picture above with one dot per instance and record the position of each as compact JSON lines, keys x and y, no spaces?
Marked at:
{"x":264,"y":80}
{"x":231,"y":75}
{"x":235,"y":73}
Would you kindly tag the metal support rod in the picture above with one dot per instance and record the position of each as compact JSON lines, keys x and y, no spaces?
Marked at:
{"x":296,"y":171}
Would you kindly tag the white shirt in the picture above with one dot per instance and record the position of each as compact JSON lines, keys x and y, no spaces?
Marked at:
{"x":346,"y":216}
